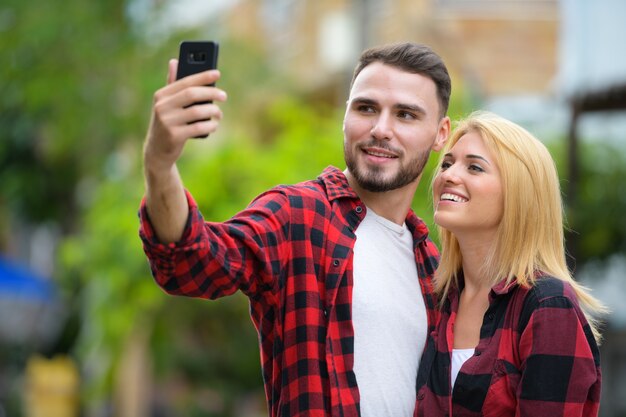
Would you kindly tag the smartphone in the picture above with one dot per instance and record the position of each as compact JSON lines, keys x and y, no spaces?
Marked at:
{"x":195,"y":57}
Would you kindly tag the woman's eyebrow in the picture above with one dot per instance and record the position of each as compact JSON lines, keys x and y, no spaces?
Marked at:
{"x":473,"y":156}
{"x":468,"y":156}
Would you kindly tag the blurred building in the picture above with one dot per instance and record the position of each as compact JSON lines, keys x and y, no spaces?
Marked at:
{"x":494,"y":47}
{"x":521,"y":58}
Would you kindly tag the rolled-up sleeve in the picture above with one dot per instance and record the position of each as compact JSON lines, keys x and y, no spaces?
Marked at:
{"x":212,"y":260}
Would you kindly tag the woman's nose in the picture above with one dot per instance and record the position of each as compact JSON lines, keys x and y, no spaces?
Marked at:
{"x":449,"y":174}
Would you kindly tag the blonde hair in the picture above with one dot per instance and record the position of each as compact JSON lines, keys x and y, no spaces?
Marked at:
{"x":530,"y":236}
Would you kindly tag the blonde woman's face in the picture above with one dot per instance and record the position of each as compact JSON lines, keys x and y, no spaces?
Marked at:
{"x":467,"y":191}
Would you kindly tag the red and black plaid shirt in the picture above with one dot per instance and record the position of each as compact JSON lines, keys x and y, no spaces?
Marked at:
{"x":536,"y":357}
{"x":291,"y":253}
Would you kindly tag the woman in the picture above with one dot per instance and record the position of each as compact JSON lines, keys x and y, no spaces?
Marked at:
{"x":517,"y":335}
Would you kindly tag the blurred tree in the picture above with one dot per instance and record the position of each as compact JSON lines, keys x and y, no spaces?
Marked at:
{"x":66,"y":103}
{"x":594,"y":224}
{"x":597,"y":220}
{"x":65,"y":107}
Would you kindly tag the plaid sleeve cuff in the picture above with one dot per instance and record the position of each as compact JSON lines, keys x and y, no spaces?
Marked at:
{"x":191,"y":234}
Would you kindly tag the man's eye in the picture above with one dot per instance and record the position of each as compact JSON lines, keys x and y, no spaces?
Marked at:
{"x":365,"y":108}
{"x":406,"y":115}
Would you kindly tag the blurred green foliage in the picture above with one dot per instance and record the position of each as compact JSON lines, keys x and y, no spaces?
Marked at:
{"x":77,"y":84}
{"x":597,"y":217}
{"x":65,"y":104}
{"x":594,"y":224}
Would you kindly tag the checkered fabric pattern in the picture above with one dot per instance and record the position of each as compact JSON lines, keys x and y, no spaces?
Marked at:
{"x":536,"y":357}
{"x":290,"y":252}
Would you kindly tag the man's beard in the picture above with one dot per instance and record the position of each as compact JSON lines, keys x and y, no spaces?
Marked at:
{"x":372,"y":178}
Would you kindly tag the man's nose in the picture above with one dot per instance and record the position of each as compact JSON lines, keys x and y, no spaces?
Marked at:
{"x":382,"y":128}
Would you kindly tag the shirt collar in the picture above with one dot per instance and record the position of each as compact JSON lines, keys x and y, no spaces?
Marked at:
{"x":336,"y":184}
{"x":501,"y":288}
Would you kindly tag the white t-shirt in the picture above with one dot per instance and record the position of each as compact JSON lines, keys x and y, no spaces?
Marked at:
{"x":459,"y":356}
{"x":389,"y":318}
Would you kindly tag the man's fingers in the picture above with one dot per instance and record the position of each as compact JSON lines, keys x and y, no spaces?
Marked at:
{"x":172,"y":70}
{"x":201,"y":112}
{"x":201,"y":78}
{"x":169,"y":99}
{"x":191,"y":101}
{"x":189,"y":97}
{"x":197,"y":129}
{"x":205,"y":78}
{"x":192,"y":114}
{"x":187,"y":107}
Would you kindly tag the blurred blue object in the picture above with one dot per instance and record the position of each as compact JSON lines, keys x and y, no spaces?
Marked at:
{"x":30,"y":311}
{"x":18,"y":281}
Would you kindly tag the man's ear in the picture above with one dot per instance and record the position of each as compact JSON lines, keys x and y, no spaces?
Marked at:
{"x":443,"y":131}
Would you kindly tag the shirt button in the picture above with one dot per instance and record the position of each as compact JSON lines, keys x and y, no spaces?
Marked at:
{"x":325,"y":312}
{"x":336,"y":262}
{"x":359,"y":209}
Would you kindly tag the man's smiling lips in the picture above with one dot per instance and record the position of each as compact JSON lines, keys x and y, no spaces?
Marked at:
{"x":379,"y":153}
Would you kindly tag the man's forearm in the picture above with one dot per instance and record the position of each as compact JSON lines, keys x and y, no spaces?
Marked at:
{"x":183,"y":109}
{"x":166,"y":204}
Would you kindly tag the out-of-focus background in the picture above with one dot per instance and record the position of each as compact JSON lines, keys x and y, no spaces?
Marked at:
{"x":84,"y":331}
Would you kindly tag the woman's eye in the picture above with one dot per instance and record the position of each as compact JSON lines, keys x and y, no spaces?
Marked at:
{"x":476,"y":168}
{"x":445,"y":165}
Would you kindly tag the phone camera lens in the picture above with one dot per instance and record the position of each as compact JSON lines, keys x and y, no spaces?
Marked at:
{"x":197,"y":57}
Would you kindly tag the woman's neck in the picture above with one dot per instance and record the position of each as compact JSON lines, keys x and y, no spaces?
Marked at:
{"x":474,"y":251}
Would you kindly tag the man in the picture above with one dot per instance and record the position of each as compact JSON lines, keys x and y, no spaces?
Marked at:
{"x":337,"y":269}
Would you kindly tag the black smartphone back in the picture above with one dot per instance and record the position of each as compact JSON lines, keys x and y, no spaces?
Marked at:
{"x":196,"y":56}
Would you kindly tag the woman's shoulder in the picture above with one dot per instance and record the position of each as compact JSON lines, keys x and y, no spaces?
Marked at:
{"x":547,"y":286}
{"x":546,"y":292}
